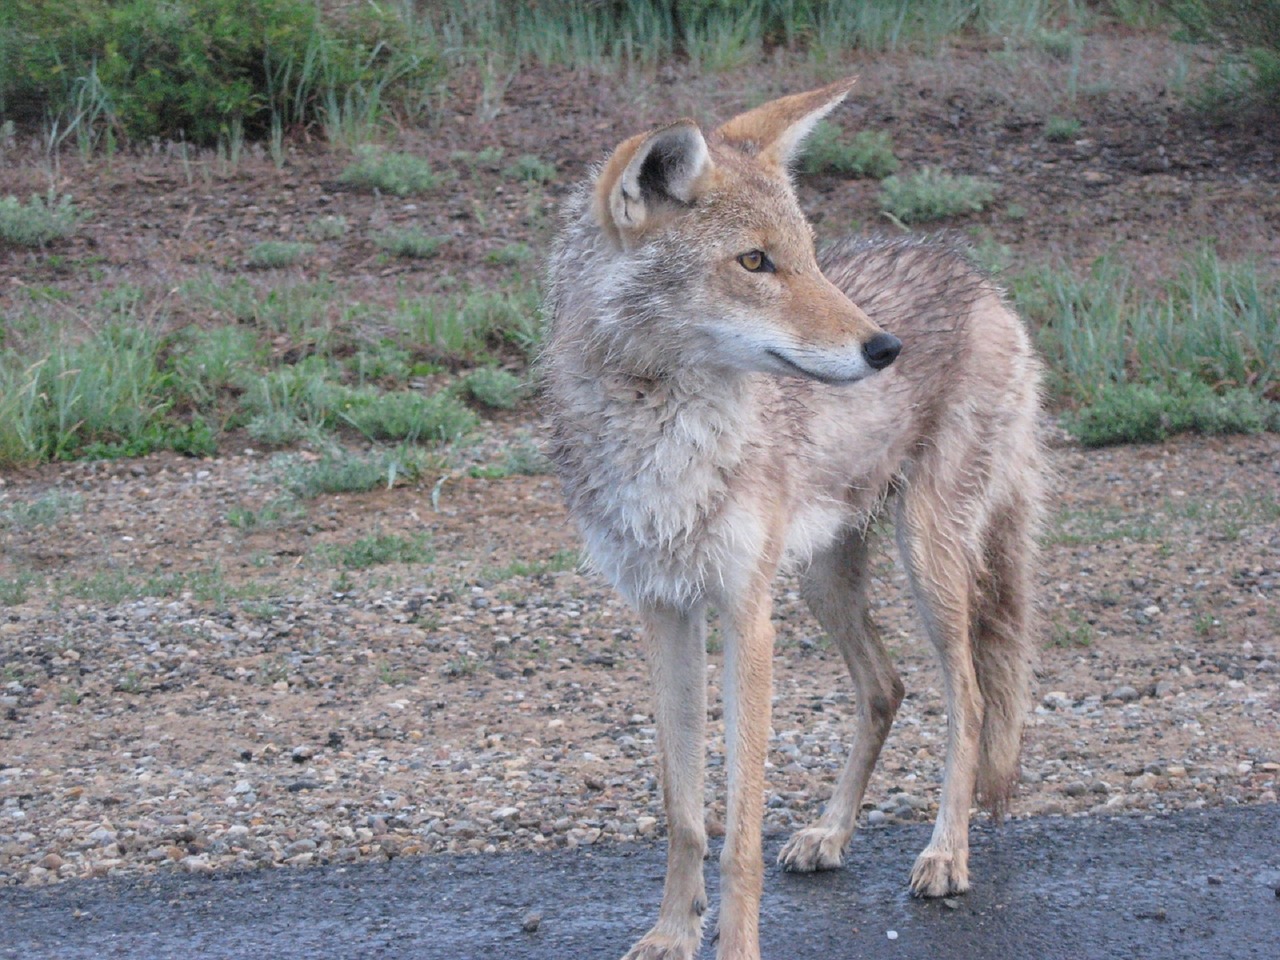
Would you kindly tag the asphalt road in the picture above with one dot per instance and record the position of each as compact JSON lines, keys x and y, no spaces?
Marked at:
{"x":1191,"y":885}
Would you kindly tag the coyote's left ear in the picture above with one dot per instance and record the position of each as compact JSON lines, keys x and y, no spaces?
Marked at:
{"x":774,"y":132}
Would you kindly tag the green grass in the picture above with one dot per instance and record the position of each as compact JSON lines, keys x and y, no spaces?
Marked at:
{"x":494,"y":388}
{"x":1062,"y":129}
{"x":409,"y":242}
{"x":510,"y":255}
{"x":328,"y":227}
{"x":277,"y":254}
{"x":528,"y":168}
{"x":377,"y":550}
{"x":13,"y":590}
{"x":1199,"y":352}
{"x":44,"y":511}
{"x":401,"y":174}
{"x":932,"y":194}
{"x":868,"y":154}
{"x":38,"y":222}
{"x":342,"y":471}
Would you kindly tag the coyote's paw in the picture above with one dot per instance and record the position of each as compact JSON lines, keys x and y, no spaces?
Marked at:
{"x":813,"y":848}
{"x":938,"y":873}
{"x":664,"y":945}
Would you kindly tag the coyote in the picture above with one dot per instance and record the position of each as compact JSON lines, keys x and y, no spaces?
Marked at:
{"x":726,"y":405}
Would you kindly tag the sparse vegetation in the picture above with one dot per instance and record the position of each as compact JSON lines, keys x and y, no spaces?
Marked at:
{"x":1061,"y":129}
{"x":494,"y":388}
{"x":1247,"y":77}
{"x":276,"y":254}
{"x":39,"y":221}
{"x":932,"y":194}
{"x":342,"y":471}
{"x":401,"y":174}
{"x":408,"y":242}
{"x":528,"y":168}
{"x":868,"y":154}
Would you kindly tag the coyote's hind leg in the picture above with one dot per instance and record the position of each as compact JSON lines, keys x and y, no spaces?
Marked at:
{"x":836,"y":590}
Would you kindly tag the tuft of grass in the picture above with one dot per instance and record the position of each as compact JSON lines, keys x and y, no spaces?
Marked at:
{"x":868,"y":154}
{"x":328,"y":227}
{"x":279,"y":512}
{"x":39,"y":221}
{"x":44,"y":511}
{"x":933,"y":194}
{"x":13,"y":590}
{"x":510,"y":255}
{"x":342,"y":471}
{"x":276,"y":254}
{"x":528,"y":168}
{"x":405,"y":415}
{"x":380,"y":549}
{"x":1150,"y":413}
{"x":467,"y":325}
{"x":402,"y":174}
{"x":1077,"y":632}
{"x":1247,"y":77}
{"x":494,"y":388}
{"x":409,"y":243}
{"x":1061,"y":129}
{"x":1059,"y":44}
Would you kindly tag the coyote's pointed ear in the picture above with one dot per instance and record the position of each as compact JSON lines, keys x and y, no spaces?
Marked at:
{"x":774,"y":131}
{"x":650,"y":171}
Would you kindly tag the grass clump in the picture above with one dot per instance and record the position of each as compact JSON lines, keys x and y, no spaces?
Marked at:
{"x":409,"y":243}
{"x":868,"y":154}
{"x":276,"y":254}
{"x":1247,"y":78}
{"x":510,"y":255}
{"x":380,"y":549}
{"x":494,"y":388}
{"x":44,"y":511}
{"x":1061,"y":129}
{"x":342,"y":471}
{"x":405,"y":415}
{"x":528,"y":168}
{"x":1150,"y":413}
{"x":13,"y":590}
{"x":39,"y":221}
{"x":933,"y":194}
{"x":328,"y":227}
{"x":402,"y":174}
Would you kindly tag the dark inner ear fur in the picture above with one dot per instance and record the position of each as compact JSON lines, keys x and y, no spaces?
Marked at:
{"x":659,"y":168}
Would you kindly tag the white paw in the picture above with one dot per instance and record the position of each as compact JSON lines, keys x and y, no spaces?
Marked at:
{"x":938,"y":873}
{"x":813,"y":848}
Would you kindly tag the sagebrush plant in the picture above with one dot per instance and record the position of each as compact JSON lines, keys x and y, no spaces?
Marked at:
{"x":408,"y":242}
{"x":328,"y":227}
{"x":199,"y":70}
{"x":276,"y":254}
{"x":495,"y":388}
{"x":1061,"y":129}
{"x":934,"y":194}
{"x":529,"y":168}
{"x":39,"y":221}
{"x":344,"y":471}
{"x":402,"y":174}
{"x":868,"y":154}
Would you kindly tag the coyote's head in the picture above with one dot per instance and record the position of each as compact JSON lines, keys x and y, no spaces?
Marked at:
{"x":711,"y":248}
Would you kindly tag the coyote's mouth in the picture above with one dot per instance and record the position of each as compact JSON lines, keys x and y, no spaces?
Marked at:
{"x":813,"y":374}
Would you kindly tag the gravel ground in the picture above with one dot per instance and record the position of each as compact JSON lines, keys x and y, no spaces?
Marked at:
{"x":182,"y":690}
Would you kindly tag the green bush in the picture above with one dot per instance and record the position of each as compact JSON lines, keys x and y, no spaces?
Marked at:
{"x":1248,"y":76}
{"x":38,"y":221}
{"x":274,"y":254}
{"x":200,"y":70}
{"x":1061,"y":129}
{"x":1149,"y":413}
{"x":409,"y":243}
{"x":399,"y":173}
{"x":869,"y":154}
{"x":933,"y":194}
{"x":494,"y":388}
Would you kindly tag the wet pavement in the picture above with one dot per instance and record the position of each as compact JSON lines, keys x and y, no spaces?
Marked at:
{"x":1190,"y":885}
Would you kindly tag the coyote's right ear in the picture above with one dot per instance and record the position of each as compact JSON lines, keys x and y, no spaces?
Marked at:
{"x":650,"y":171}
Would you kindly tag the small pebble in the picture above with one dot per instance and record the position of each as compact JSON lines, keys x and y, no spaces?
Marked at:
{"x":531,"y":922}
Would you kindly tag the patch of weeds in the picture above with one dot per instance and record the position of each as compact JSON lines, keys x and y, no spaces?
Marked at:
{"x":868,"y":154}
{"x":13,"y":590}
{"x":379,"y":549}
{"x":1059,"y":44}
{"x":489,"y":158}
{"x":510,"y":255}
{"x":990,"y":254}
{"x":44,"y":511}
{"x":342,"y":471}
{"x":130,"y":682}
{"x":528,"y":168}
{"x":1076,"y":632}
{"x":272,"y":671}
{"x":494,"y":388}
{"x":39,"y":221}
{"x":558,"y":562}
{"x":1015,"y":211}
{"x":409,"y":243}
{"x":933,"y":194}
{"x":405,"y":415}
{"x":328,"y":227}
{"x":279,"y":512}
{"x":207,"y":362}
{"x":1150,"y":413}
{"x":382,"y":361}
{"x":277,"y":254}
{"x":402,"y":174}
{"x":1103,"y":525}
{"x":262,"y":610}
{"x":1062,"y":129}
{"x":68,"y":696}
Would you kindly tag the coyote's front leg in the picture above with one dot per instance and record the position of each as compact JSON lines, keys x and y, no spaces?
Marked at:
{"x":677,"y":660}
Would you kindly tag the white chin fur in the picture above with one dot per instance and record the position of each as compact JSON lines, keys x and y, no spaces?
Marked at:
{"x":784,"y":357}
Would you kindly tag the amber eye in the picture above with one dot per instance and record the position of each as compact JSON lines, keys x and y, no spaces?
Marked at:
{"x":755,"y":261}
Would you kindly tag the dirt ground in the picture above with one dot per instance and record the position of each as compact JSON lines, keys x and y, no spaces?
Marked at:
{"x":279,"y":706}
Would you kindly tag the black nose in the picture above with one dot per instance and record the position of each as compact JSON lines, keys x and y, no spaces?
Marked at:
{"x":881,"y":350}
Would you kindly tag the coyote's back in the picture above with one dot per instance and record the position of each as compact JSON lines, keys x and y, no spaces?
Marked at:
{"x":725,"y":405}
